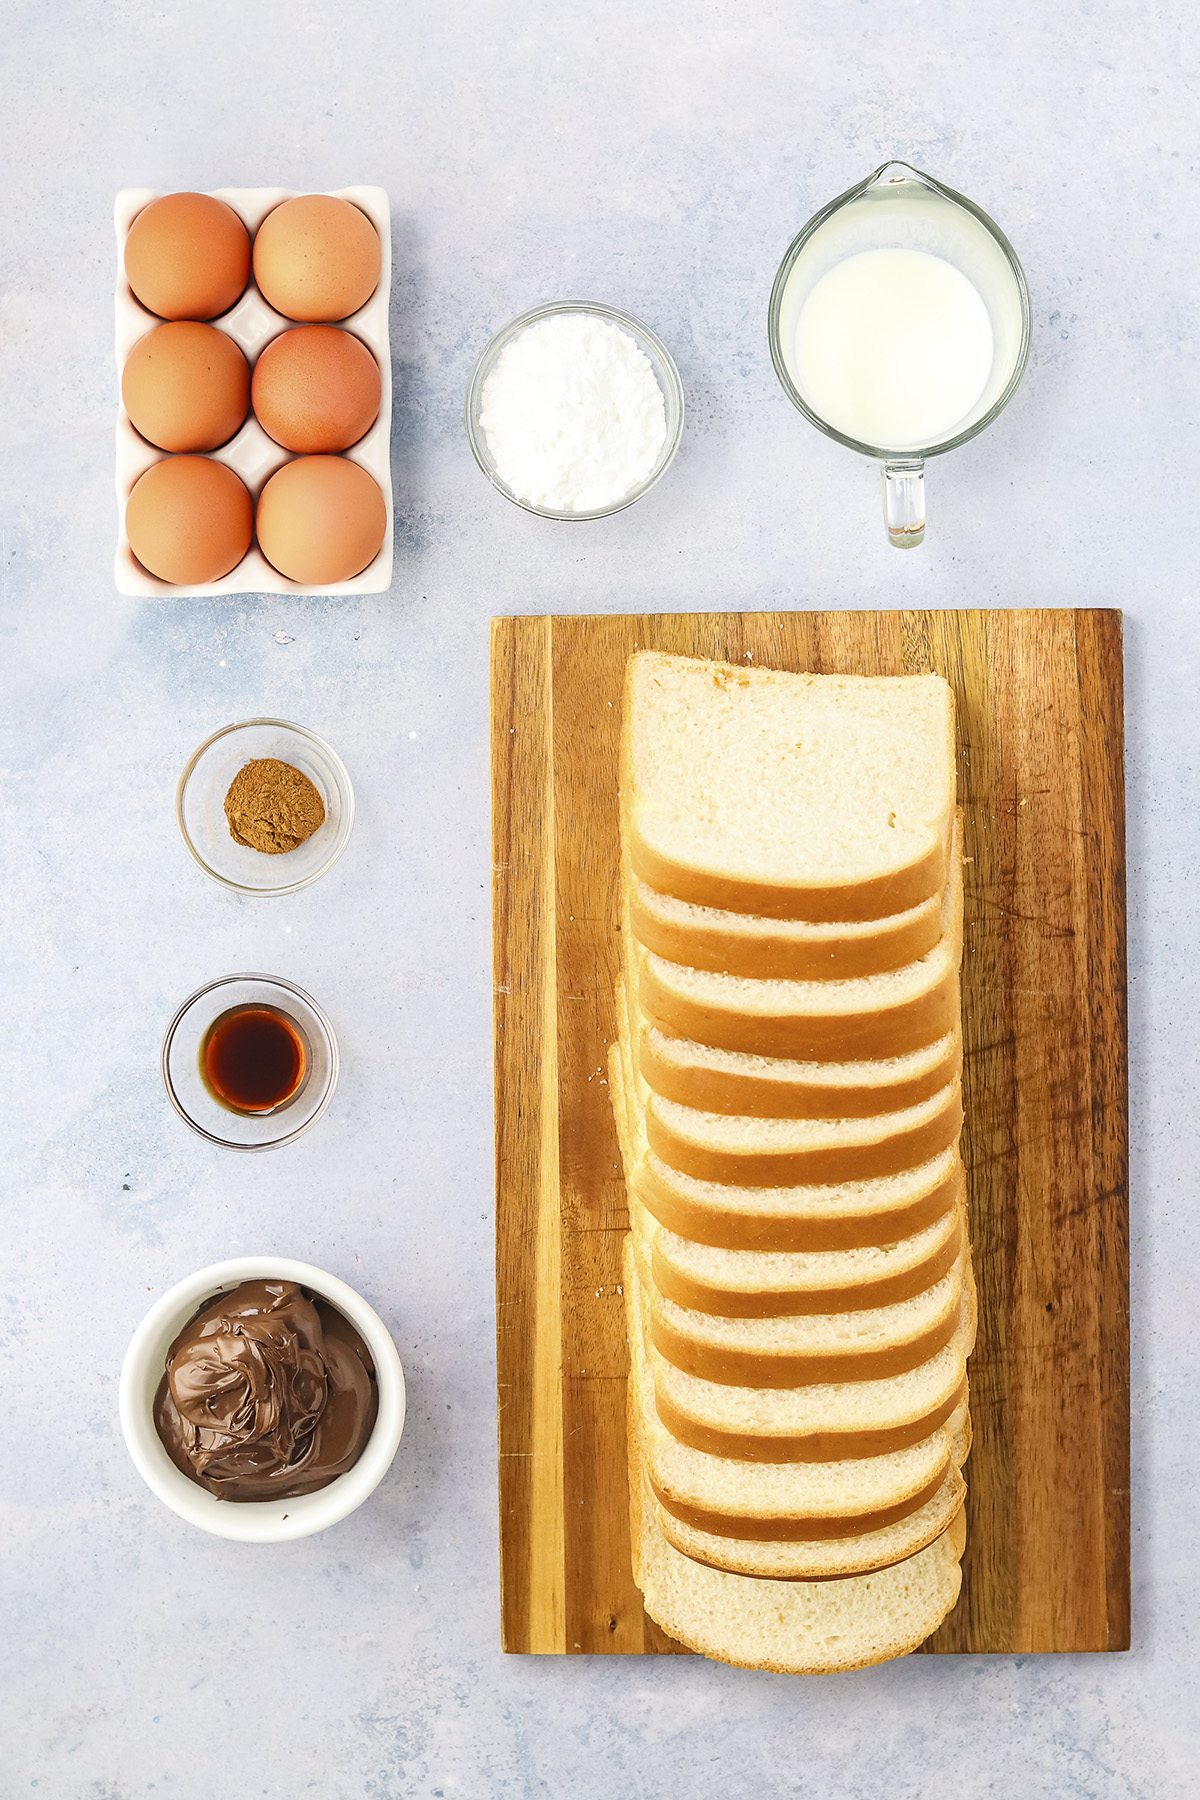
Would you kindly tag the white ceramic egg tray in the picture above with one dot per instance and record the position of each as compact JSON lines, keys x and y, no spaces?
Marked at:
{"x":252,"y":454}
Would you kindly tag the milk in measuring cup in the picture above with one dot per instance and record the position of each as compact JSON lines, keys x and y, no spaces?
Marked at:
{"x":894,"y":347}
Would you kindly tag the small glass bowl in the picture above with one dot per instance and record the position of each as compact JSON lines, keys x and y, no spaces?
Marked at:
{"x":258,"y":1521}
{"x":200,"y":807}
{"x":190,"y":1095}
{"x":665,"y":373}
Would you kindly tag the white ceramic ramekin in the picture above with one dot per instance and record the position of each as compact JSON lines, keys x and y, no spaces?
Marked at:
{"x":255,"y":1521}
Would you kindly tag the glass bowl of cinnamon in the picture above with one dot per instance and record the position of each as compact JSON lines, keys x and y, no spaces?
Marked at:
{"x":265,"y":807}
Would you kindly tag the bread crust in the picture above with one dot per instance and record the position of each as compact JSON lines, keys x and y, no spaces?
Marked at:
{"x":817,"y":1446}
{"x":874,"y":1031}
{"x":824,"y":954}
{"x":760,"y":1095}
{"x":880,"y":1147}
{"x":680,"y":1338}
{"x":870,"y":1221}
{"x":749,"y":1529}
{"x":846,"y":903}
{"x":862,"y":1296}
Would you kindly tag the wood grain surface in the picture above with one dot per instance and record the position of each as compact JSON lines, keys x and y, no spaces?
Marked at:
{"x":1040,"y":779}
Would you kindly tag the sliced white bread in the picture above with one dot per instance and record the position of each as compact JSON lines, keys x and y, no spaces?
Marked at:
{"x":922,"y":1401}
{"x":842,"y":1216}
{"x":735,"y":1081}
{"x":887,"y":1015}
{"x":806,"y":1349}
{"x":749,"y":1152}
{"x":733,"y":943}
{"x":962,"y":1433}
{"x":846,"y":1215}
{"x":756,"y":1152}
{"x":786,"y":1501}
{"x":783,"y":1559}
{"x":805,"y":1503}
{"x":822,"y":1423}
{"x":838,"y":1216}
{"x":820,"y":797}
{"x":831,"y":1559}
{"x":801,"y":1628}
{"x":761,"y":1283}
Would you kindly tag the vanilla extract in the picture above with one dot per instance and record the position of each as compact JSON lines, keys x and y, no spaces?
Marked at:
{"x":253,"y":1059}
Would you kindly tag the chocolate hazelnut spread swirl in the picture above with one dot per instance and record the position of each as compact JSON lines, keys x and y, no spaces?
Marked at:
{"x":269,"y":1393}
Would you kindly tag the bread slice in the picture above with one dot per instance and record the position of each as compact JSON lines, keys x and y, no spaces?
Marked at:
{"x":751,"y":1152}
{"x":761,"y":1283}
{"x":784,"y":1559}
{"x":808,"y":1217}
{"x":820,"y":797}
{"x":730,"y":943}
{"x":822,"y":1423}
{"x":757,"y":1152}
{"x":807,"y":1349}
{"x":839,"y":1216}
{"x":835,"y":1021}
{"x":885,"y":1015}
{"x":928,"y":1399}
{"x":734,"y":943}
{"x":735,"y":1081}
{"x":801,"y":1628}
{"x":845,"y":1215}
{"x":789,"y":1501}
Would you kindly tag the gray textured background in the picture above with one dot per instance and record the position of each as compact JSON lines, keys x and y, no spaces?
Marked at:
{"x":659,"y":157}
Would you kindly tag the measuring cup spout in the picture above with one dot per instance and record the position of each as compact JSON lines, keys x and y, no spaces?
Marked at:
{"x":904,"y":503}
{"x":891,"y":173}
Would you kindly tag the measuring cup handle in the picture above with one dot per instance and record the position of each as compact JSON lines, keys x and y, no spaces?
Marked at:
{"x":904,"y":503}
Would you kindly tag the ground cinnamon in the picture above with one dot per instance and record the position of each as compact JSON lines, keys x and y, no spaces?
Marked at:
{"x":272,"y":807}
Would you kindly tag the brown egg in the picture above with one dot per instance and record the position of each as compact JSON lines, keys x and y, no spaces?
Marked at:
{"x":189,"y":520}
{"x":186,"y":386}
{"x":316,"y":389}
{"x":187,"y":256}
{"x":321,"y":519}
{"x":317,"y":258}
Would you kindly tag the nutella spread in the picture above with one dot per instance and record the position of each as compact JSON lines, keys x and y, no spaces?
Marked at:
{"x":269,"y":1393}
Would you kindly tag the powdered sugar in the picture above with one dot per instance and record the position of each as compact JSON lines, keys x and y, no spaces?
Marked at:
{"x":573,"y":414}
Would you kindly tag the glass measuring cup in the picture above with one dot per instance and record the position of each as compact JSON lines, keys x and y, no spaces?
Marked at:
{"x":900,"y":208}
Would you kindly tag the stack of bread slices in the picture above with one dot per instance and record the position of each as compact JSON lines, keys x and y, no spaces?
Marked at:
{"x":787,"y":1089}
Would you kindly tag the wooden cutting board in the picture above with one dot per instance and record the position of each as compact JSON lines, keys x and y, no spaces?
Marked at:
{"x":1040,"y":779}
